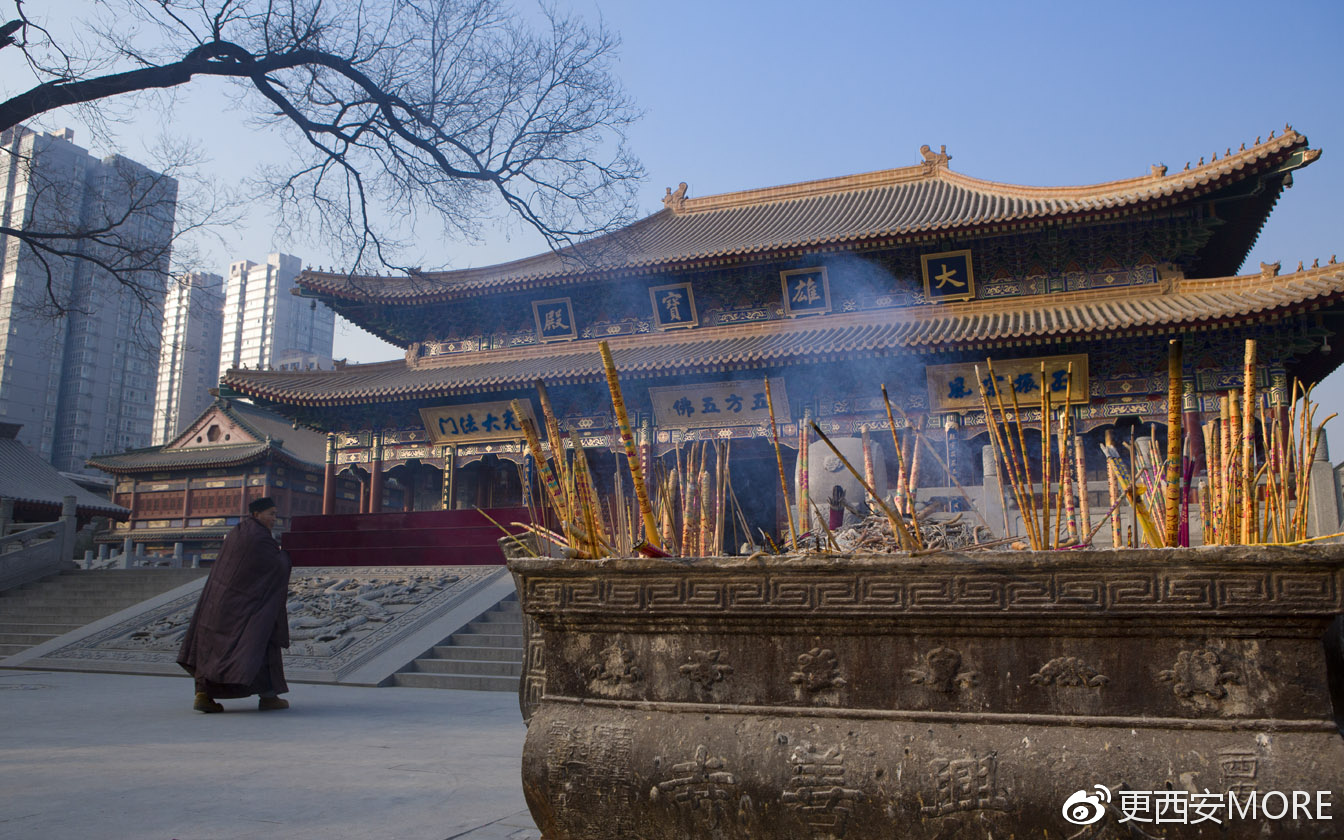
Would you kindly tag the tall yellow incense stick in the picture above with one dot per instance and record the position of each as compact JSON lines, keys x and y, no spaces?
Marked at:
{"x":868,"y":471}
{"x":1173,"y":501}
{"x":552,"y":426}
{"x":1248,"y":509}
{"x":651,"y":534}
{"x":779,"y":462}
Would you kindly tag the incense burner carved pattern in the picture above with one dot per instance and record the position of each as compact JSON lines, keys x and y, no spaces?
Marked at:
{"x":952,"y":696}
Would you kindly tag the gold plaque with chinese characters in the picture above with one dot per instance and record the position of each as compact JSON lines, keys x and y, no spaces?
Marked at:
{"x":954,"y":387}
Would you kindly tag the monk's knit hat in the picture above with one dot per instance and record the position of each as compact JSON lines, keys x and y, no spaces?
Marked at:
{"x":258,"y":505}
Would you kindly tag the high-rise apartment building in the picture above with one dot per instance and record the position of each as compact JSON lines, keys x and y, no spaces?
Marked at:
{"x":266,"y":326}
{"x":193,"y":324}
{"x":79,"y":343}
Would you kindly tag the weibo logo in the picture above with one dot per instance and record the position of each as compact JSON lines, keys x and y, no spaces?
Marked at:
{"x":1083,"y":808}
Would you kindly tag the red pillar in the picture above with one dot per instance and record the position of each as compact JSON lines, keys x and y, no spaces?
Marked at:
{"x":329,"y":479}
{"x":376,"y":474}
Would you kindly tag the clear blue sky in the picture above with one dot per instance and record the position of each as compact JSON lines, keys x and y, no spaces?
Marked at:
{"x":740,"y":95}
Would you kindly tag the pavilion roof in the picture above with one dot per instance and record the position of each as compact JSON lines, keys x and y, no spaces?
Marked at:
{"x":273,"y":434}
{"x":1094,"y":313}
{"x":928,"y":198}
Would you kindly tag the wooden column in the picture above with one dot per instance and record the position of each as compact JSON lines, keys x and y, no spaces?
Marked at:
{"x":186,"y":500}
{"x":376,"y":474}
{"x":449,"y":467}
{"x":364,"y":495}
{"x":329,"y":479}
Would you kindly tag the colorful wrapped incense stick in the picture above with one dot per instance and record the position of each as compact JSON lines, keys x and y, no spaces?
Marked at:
{"x":1007,"y":470}
{"x":553,"y":492}
{"x":1080,"y":465}
{"x":1174,"y":436}
{"x":804,"y":490}
{"x":707,"y":548}
{"x":583,"y":475}
{"x":779,"y":462}
{"x":867,"y":457}
{"x":1113,"y":494}
{"x":1248,"y":472}
{"x":896,"y":448}
{"x":631,"y":452}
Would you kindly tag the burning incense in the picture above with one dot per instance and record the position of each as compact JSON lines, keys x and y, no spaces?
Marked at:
{"x":1005,"y":469}
{"x":899,"y":500}
{"x":1047,"y":453}
{"x":1173,"y":499}
{"x":548,"y":478}
{"x":898,"y":529}
{"x":779,"y":462}
{"x":631,"y":452}
{"x":552,"y":425}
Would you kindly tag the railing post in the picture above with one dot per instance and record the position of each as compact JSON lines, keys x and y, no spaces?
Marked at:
{"x":6,"y":515}
{"x":69,"y":525}
{"x":177,"y":556}
{"x":127,"y":553}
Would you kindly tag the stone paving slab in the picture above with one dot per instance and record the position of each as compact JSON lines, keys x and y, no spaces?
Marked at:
{"x":120,"y":757}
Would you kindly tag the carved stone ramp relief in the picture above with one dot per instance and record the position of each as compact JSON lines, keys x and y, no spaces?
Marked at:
{"x":354,"y":626}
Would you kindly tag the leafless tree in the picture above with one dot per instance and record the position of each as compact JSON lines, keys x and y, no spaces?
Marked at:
{"x":399,"y":109}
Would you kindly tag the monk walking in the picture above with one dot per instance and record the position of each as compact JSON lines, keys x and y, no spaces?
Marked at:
{"x":233,"y":643}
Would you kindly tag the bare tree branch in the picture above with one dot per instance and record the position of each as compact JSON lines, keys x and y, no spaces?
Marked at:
{"x":401,"y":109}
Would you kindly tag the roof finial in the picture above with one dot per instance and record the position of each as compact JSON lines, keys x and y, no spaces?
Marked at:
{"x":1187,"y":166}
{"x":1271,"y":135}
{"x":1270,"y":269}
{"x":1201,"y":160}
{"x":674,"y":201}
{"x":1257,"y":139}
{"x":1243,"y":147}
{"x":933,"y":160}
{"x":1299,"y":265}
{"x":1158,"y":170}
{"x":1228,"y":153}
{"x":1332,"y":259}
{"x":1214,"y":159}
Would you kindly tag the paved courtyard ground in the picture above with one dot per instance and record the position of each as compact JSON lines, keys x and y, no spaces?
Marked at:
{"x":107,"y":756}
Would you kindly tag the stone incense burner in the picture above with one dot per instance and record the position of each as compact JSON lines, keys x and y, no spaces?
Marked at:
{"x":951,"y":696}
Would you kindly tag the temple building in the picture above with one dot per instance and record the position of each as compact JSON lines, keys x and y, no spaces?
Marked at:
{"x":197,"y":486}
{"x":909,"y":277}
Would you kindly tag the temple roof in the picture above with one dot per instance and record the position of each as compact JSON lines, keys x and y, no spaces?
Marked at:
{"x":26,"y":478}
{"x":261,"y":432}
{"x":1094,"y":313}
{"x":924,"y":199}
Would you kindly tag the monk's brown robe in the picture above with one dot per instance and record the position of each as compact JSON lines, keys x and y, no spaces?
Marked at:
{"x":233,"y":643}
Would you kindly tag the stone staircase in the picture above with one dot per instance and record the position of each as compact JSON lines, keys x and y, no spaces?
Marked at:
{"x":486,"y":655}
{"x":37,"y":612}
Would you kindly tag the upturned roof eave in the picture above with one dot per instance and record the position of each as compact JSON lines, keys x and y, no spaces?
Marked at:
{"x":1321,"y":285}
{"x":1109,"y":199}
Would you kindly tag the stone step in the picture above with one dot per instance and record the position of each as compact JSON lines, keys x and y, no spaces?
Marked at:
{"x":469,"y":666}
{"x":27,"y":640}
{"x":486,"y":639}
{"x":96,"y":609}
{"x":472,"y":652}
{"x":460,"y":682}
{"x":495,"y":628}
{"x":7,"y":649}
{"x":498,"y":616}
{"x":7,"y":627}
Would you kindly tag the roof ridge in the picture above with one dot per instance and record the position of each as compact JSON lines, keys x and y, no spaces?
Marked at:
{"x":935,"y":167}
